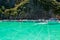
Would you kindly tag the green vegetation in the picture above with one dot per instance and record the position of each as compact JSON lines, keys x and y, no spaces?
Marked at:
{"x":29,"y":8}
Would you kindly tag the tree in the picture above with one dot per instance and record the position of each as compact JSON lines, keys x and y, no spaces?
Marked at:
{"x":30,"y":8}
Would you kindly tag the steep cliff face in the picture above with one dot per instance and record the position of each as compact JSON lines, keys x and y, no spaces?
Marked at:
{"x":27,"y":9}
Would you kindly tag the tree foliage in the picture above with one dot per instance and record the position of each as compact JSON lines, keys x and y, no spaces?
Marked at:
{"x":28,"y":8}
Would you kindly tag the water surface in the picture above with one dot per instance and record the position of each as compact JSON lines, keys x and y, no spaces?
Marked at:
{"x":29,"y":30}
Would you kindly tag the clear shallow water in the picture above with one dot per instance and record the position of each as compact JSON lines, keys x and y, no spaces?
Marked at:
{"x":29,"y":31}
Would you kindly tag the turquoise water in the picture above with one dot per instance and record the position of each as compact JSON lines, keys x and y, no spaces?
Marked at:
{"x":29,"y":31}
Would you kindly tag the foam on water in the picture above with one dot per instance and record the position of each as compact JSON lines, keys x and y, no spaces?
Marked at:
{"x":40,"y":23}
